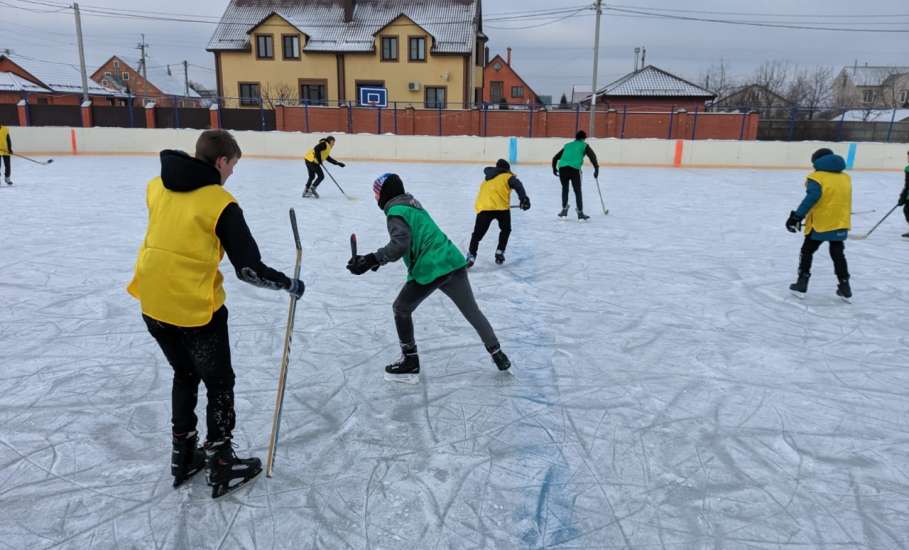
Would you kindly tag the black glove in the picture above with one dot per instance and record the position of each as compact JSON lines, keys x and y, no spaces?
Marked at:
{"x":296,"y":288}
{"x":341,"y":164}
{"x":902,"y":200}
{"x":525,"y":203}
{"x":596,"y":172}
{"x":359,"y":265}
{"x":794,"y":223}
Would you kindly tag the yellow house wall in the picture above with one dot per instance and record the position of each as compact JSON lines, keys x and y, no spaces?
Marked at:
{"x":239,"y":67}
{"x":396,"y":75}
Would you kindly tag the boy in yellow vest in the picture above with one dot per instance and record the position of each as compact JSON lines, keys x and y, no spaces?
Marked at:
{"x":904,"y":196}
{"x":314,"y":158}
{"x":192,"y":221}
{"x":6,"y":149}
{"x":827,"y":214}
{"x":494,"y":203}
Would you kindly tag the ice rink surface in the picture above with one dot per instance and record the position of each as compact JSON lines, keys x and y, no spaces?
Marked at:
{"x":668,"y":391}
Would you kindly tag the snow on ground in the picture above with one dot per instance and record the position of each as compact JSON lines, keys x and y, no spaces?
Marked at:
{"x":668,"y":392}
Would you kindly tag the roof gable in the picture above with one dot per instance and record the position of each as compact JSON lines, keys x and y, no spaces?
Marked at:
{"x":399,"y":16}
{"x":510,"y":69}
{"x":269,"y":16}
{"x":653,"y":82}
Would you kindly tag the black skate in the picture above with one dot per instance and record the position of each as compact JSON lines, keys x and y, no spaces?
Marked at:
{"x":313,"y":194}
{"x":905,"y":235}
{"x":582,"y":216}
{"x":800,"y":286}
{"x":9,"y":181}
{"x":844,"y":291}
{"x":471,"y":259}
{"x":406,"y":369}
{"x":226,"y":471}
{"x":187,"y":458}
{"x":500,"y":257}
{"x":563,"y":212}
{"x":500,"y":359}
{"x":307,"y":193}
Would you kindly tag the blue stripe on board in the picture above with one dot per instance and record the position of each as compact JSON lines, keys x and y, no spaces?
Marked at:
{"x":850,"y":156}
{"x":512,"y":150}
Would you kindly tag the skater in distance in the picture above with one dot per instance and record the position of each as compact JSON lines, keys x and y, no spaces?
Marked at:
{"x":433,"y":263}
{"x":192,"y":221}
{"x":566,"y":165}
{"x":6,"y":151}
{"x":826,"y":214}
{"x":904,"y":195}
{"x":494,"y":203}
{"x":314,"y":158}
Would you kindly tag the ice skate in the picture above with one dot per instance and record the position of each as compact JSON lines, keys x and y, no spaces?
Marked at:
{"x":582,"y":216}
{"x":471,"y":259}
{"x":313,"y":194}
{"x":500,"y":359}
{"x":405,"y":370}
{"x":500,"y":257}
{"x":307,"y":193}
{"x":844,"y":291}
{"x":187,"y":458}
{"x":905,"y":235}
{"x":800,"y":286}
{"x":9,"y":180}
{"x":226,"y":471}
{"x":563,"y":212}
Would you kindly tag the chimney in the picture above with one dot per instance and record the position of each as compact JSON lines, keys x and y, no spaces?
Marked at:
{"x":508,"y":59}
{"x":348,"y":9}
{"x":643,"y":57}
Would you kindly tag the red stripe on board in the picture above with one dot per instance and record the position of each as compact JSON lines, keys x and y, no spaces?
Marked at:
{"x":677,"y":161}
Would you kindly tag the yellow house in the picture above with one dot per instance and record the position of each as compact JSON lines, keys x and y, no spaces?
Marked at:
{"x":422,"y":53}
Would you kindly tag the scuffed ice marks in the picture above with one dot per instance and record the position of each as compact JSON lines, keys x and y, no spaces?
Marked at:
{"x":667,"y":392}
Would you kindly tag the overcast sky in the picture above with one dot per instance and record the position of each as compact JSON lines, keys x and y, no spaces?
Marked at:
{"x":550,"y":58}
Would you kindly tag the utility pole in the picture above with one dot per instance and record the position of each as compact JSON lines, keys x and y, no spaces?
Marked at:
{"x":471,"y":79}
{"x":596,"y":58}
{"x":142,"y":64}
{"x":81,"y":53}
{"x":185,"y":78}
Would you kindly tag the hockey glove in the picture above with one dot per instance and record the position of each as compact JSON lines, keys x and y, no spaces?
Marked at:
{"x":296,"y":288}
{"x":525,"y":203}
{"x":902,"y":201}
{"x":341,"y":164}
{"x":359,"y":265}
{"x":794,"y":223}
{"x":555,"y":172}
{"x":596,"y":172}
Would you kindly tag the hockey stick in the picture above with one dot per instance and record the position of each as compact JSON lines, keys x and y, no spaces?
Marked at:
{"x":42,"y":163}
{"x":602,"y":203}
{"x":868,"y":234}
{"x":338,"y":184}
{"x":860,"y":212}
{"x":353,"y":245}
{"x":285,"y":357}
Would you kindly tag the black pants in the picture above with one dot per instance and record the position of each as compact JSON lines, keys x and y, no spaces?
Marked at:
{"x":481,"y":226}
{"x":905,"y":209}
{"x":456,"y":286}
{"x":199,"y":354}
{"x":837,"y":254}
{"x":567,"y":175}
{"x":7,"y":161}
{"x":316,"y":175}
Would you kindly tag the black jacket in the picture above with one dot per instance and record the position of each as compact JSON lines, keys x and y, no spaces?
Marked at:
{"x":182,"y":173}
{"x":318,"y":150}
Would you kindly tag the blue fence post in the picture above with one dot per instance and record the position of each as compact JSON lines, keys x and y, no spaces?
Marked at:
{"x":694,"y":124}
{"x":577,"y":118}
{"x":839,"y":126}
{"x":671,"y":115}
{"x":742,"y":129}
{"x":440,"y":119}
{"x":349,"y":117}
{"x":176,"y":112}
{"x":395,"y":107}
{"x":792,"y":113}
{"x":624,"y":116}
{"x":530,"y":114}
{"x":890,"y":128}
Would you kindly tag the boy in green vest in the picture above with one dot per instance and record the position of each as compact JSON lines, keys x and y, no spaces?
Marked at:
{"x":826,"y":211}
{"x":566,"y":166}
{"x":192,"y":222}
{"x":433,"y":262}
{"x":6,"y":149}
{"x":904,"y":196}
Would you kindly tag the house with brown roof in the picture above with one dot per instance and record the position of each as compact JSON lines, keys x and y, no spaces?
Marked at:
{"x":417,"y":53}
{"x":160,"y":83}
{"x":502,"y":85}
{"x":48,"y":83}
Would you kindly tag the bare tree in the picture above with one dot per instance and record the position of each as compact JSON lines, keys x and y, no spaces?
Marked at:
{"x":279,"y":94}
{"x":718,"y":79}
{"x":811,"y":89}
{"x":773,"y":76}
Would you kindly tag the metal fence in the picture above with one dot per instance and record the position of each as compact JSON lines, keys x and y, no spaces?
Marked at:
{"x":858,"y":123}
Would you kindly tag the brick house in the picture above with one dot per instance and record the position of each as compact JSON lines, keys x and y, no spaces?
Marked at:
{"x":45,"y":83}
{"x":502,"y":84}
{"x":163,"y":85}
{"x":652,"y":89}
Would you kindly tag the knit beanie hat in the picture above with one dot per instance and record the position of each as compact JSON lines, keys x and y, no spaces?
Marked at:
{"x":387,"y":187}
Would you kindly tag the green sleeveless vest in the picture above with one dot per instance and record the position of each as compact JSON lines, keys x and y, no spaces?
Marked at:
{"x":573,"y":154}
{"x":431,"y":253}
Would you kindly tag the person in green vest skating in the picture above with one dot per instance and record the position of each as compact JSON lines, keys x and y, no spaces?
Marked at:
{"x":433,"y":262}
{"x":566,"y":166}
{"x":904,"y":196}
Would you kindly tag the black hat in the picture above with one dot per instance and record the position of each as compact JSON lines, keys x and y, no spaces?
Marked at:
{"x":823,"y":152}
{"x":581,"y":135}
{"x":503,"y":165}
{"x":387,"y":187}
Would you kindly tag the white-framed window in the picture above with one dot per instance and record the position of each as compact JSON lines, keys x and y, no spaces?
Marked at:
{"x":904,"y":96}
{"x":291,"y":46}
{"x":125,"y":75}
{"x":868,"y":96}
{"x":107,"y":73}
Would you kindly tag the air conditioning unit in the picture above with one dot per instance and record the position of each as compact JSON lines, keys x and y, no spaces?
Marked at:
{"x":413,"y":86}
{"x":445,"y":76}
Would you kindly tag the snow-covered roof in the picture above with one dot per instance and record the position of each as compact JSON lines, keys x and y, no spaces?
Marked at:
{"x":874,"y":115}
{"x":59,"y":77}
{"x":865,"y":75}
{"x":447,"y":21}
{"x":10,"y":82}
{"x":653,"y":82}
{"x":171,"y":83}
{"x":580,"y":92}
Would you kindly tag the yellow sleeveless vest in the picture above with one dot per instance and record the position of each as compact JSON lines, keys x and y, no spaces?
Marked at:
{"x":495,"y":194}
{"x":177,"y":280}
{"x":834,"y":209}
{"x":4,"y":132}
{"x":311,"y":154}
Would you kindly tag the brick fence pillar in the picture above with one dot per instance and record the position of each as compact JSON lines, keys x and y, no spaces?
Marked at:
{"x":754,"y":119}
{"x":150,"y":114}
{"x":681,"y":129}
{"x":86,"y":111}
{"x":214,"y":118}
{"x":612,"y":124}
{"x":280,"y":121}
{"x":22,"y":111}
